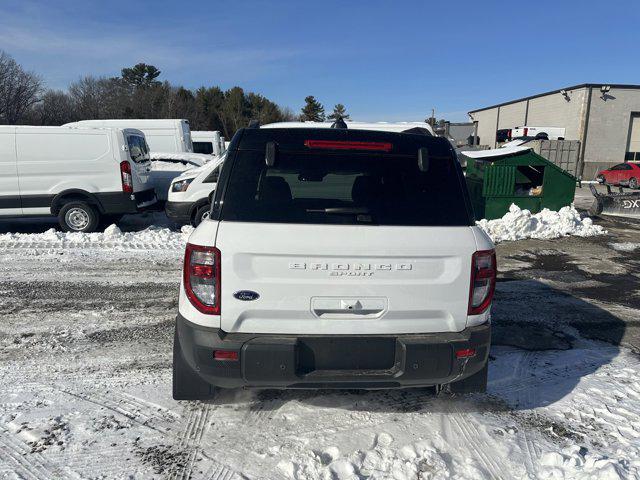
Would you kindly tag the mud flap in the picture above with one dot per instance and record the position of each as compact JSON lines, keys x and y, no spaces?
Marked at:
{"x":623,"y":204}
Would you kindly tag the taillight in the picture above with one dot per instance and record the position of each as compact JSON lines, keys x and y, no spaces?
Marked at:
{"x":524,"y":132}
{"x":202,"y":278}
{"x":509,"y":134}
{"x":342,"y":145}
{"x":483,"y":281}
{"x":127,"y":180}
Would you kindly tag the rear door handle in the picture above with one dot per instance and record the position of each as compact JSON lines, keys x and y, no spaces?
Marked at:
{"x":349,"y":307}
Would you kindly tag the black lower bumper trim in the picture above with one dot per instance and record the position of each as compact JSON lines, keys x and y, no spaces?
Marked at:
{"x":340,"y":361}
{"x":121,"y":202}
{"x":179,"y":212}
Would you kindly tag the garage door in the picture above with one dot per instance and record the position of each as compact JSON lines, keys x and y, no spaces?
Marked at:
{"x":633,"y":146}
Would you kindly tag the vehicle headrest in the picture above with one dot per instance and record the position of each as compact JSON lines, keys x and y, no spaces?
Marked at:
{"x":363,"y":189}
{"x":275,"y":189}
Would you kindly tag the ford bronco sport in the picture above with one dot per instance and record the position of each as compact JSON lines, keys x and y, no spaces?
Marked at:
{"x":335,"y":258}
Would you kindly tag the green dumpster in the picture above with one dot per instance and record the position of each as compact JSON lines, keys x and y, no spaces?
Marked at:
{"x":496,"y":180}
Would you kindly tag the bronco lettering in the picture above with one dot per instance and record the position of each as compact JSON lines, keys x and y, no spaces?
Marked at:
{"x":352,"y":269}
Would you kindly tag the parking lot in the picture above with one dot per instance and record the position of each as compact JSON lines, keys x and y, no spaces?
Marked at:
{"x":85,"y":358}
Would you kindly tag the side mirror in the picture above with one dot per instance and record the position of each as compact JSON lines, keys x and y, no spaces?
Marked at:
{"x":423,"y":159}
{"x":270,"y":154}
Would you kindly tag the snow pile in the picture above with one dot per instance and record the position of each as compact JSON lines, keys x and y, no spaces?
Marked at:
{"x":151,"y":238}
{"x":571,"y":463}
{"x":518,"y":224}
{"x":160,"y":166}
{"x":199,"y":158}
{"x":419,"y":460}
{"x":625,"y":246}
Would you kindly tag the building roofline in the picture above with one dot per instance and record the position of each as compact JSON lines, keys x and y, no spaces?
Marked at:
{"x":574,"y":87}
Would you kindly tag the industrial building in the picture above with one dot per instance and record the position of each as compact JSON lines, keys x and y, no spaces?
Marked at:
{"x":605,"y":118}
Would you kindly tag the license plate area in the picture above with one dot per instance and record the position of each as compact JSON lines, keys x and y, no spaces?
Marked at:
{"x":345,"y":353}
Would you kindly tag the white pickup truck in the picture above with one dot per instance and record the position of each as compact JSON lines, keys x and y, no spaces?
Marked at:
{"x":545,"y":133}
{"x":335,"y":258}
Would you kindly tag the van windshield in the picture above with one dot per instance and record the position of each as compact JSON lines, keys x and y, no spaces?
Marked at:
{"x":138,"y":148}
{"x":353,"y":189}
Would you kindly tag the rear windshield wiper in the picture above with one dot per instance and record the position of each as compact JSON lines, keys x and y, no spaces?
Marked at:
{"x":340,"y":210}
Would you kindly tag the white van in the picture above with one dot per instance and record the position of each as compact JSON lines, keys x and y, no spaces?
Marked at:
{"x":207,"y":142}
{"x":165,"y":166}
{"x":164,"y":135}
{"x":189,"y":196}
{"x":79,"y":175}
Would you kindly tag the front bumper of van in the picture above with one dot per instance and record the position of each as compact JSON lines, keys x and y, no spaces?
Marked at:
{"x":179,"y":212}
{"x":340,"y":361}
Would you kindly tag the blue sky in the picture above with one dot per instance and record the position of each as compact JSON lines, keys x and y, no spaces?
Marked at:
{"x":385,"y":60}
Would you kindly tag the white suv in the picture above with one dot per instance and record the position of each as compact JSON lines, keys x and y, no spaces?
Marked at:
{"x":335,"y":258}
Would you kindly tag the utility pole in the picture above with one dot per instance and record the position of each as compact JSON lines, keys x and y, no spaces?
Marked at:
{"x":432,"y":119}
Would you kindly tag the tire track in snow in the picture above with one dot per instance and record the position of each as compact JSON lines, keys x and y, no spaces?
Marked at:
{"x":263,"y":411}
{"x":531,"y":452}
{"x":28,"y":465}
{"x":198,"y":421}
{"x":525,"y":392}
{"x":528,"y":397}
{"x":474,"y":440}
{"x":219,"y":472}
{"x":521,"y":384}
{"x":140,"y":413}
{"x":146,"y":415}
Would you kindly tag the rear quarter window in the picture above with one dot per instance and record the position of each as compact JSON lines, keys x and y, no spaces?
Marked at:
{"x":346,"y":189}
{"x":203,"y":147}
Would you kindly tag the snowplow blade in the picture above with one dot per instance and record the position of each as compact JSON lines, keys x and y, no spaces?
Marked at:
{"x":622,"y":204}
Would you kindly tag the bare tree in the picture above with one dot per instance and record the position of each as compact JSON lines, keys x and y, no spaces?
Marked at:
{"x":54,"y":108}
{"x":19,"y":90}
{"x":135,"y":94}
{"x":98,"y":98}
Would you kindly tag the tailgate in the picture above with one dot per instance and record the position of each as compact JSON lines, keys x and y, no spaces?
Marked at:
{"x":333,"y":279}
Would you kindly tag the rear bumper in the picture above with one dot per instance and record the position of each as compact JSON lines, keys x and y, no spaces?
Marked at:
{"x":358,"y":361}
{"x":120,"y":202}
{"x":179,"y":212}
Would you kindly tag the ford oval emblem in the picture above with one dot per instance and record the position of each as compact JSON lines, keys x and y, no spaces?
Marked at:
{"x":246,"y":295}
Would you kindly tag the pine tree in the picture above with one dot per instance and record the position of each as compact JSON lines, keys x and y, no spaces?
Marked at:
{"x":141,"y":75}
{"x":339,"y":111}
{"x":313,"y":111}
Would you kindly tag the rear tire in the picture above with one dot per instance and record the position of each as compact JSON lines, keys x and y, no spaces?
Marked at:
{"x":187,"y":384}
{"x":201,"y":214}
{"x":476,"y":383}
{"x":79,"y":217}
{"x":633,"y":183}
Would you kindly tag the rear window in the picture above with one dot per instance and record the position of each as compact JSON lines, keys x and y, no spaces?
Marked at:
{"x":347,"y":189}
{"x":138,"y":148}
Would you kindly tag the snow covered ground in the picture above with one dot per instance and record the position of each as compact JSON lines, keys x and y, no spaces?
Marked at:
{"x":85,"y":378}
